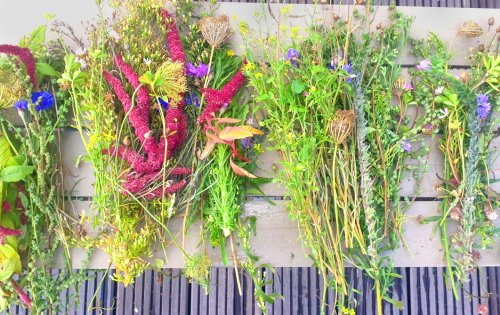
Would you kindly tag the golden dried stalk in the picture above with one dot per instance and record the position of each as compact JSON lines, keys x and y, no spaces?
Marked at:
{"x":398,"y":87}
{"x":342,"y":126}
{"x":471,"y":29}
{"x":215,"y":29}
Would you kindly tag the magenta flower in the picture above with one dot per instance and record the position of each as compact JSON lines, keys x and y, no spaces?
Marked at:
{"x":424,"y":65}
{"x":22,"y":295}
{"x":4,"y":232}
{"x":26,"y":57}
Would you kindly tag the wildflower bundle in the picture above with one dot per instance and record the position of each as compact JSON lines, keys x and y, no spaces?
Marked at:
{"x":462,"y":109}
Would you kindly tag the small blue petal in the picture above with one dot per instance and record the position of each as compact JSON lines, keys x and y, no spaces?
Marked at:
{"x":21,"y":105}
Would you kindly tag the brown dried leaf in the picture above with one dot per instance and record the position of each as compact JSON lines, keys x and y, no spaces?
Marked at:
{"x":240,"y":171}
{"x":209,"y":147}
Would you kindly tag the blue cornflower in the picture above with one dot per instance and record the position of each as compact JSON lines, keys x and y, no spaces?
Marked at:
{"x":292,"y":55}
{"x":43,"y":100}
{"x":483,"y":106}
{"x":190,"y":97}
{"x":162,"y":102}
{"x":21,"y":105}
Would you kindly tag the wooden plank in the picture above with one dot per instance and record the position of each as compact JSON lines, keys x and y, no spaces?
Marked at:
{"x":139,"y":290}
{"x":166,"y":292}
{"x":175,"y":292}
{"x":278,"y":288}
{"x":212,"y":295}
{"x":221,"y":290}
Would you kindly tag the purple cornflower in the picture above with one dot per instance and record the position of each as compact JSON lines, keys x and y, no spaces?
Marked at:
{"x":406,"y":145}
{"x":197,"y":71}
{"x":292,"y":55}
{"x":43,"y":100}
{"x":21,"y":105}
{"x":424,"y":65}
{"x":483,"y":106}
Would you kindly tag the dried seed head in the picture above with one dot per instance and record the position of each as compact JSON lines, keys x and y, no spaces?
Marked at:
{"x":465,"y":77}
{"x":342,"y":126}
{"x":378,"y":26}
{"x":456,"y":213}
{"x":491,"y":21}
{"x":480,"y":48}
{"x":215,"y":29}
{"x":490,"y":213}
{"x":471,"y":29}
{"x":126,"y":141}
{"x":336,"y":16}
{"x":476,"y":256}
{"x":398,"y":88}
{"x":360,"y":2}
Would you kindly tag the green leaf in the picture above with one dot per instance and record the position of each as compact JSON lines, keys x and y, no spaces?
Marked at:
{"x":10,"y":262}
{"x":5,"y":153}
{"x":15,"y":173}
{"x":36,"y":39}
{"x":46,"y":69}
{"x":159,"y":263}
{"x":297,"y":87}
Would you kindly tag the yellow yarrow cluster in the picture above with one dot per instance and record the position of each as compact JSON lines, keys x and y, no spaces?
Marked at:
{"x":173,"y":81}
{"x":11,"y":88}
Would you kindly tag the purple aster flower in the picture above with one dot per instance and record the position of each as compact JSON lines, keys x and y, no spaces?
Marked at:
{"x":21,"y":105}
{"x":197,"y":71}
{"x":162,"y":102}
{"x":202,"y":70}
{"x":292,"y":55}
{"x":190,"y":98}
{"x":406,"y":145}
{"x":43,"y":100}
{"x":424,"y":65}
{"x":191,"y":70}
{"x":483,"y":106}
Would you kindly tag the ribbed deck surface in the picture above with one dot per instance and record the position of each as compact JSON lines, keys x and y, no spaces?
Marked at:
{"x":422,"y":291}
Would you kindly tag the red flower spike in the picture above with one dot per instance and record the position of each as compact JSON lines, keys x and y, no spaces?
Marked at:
{"x":147,"y":169}
{"x":216,"y":99}
{"x":175,"y":45}
{"x":26,"y":57}
{"x":22,"y":295}
{"x":4,"y":232}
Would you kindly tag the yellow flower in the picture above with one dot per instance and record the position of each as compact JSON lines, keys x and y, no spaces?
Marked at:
{"x":454,"y":124}
{"x":313,"y":89}
{"x":294,"y":31}
{"x":258,"y":75}
{"x":244,"y":28}
{"x":249,"y":66}
{"x":230,"y":53}
{"x":286,"y":9}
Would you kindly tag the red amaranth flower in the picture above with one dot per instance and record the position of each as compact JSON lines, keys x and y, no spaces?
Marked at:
{"x":26,"y":57}
{"x":22,"y":295}
{"x":6,"y":206}
{"x":4,"y":232}
{"x":147,"y":169}
{"x":216,"y":99}
{"x":175,"y":45}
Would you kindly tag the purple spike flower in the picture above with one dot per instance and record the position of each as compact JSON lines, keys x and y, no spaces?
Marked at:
{"x":483,"y":106}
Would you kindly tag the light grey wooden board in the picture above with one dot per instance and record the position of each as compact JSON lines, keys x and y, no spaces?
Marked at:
{"x":443,"y":21}
{"x":278,"y":240}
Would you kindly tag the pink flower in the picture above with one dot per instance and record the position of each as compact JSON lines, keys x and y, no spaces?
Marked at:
{"x":424,"y":65}
{"x":4,"y":232}
{"x":6,"y":206}
{"x":408,"y":87}
{"x":23,"y":296}
{"x":482,"y":309}
{"x":439,"y":90}
{"x":26,"y":57}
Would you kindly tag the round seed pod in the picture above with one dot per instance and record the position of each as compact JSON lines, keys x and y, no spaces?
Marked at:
{"x":215,"y":29}
{"x":471,"y":29}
